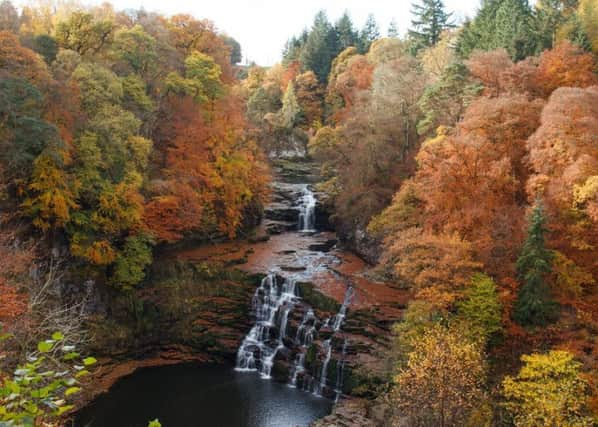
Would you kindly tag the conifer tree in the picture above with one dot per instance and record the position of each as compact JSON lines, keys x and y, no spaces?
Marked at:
{"x":393,"y":30}
{"x":369,"y":34}
{"x":430,"y":21}
{"x":320,"y":47}
{"x":347,"y":36}
{"x":534,"y":305}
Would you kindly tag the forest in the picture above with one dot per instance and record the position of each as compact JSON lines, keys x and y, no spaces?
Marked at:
{"x":458,"y":159}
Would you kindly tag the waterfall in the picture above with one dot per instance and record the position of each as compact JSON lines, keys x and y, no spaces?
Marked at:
{"x":272,"y":303}
{"x":340,"y":370}
{"x":336,"y":325}
{"x":307,"y":211}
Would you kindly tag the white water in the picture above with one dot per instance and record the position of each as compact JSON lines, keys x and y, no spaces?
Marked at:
{"x":272,"y":303}
{"x":307,"y":211}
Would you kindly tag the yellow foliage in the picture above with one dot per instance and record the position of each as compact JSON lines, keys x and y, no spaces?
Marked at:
{"x":52,"y":199}
{"x":548,"y":391}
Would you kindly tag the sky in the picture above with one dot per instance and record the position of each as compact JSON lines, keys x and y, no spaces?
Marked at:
{"x":263,"y":26}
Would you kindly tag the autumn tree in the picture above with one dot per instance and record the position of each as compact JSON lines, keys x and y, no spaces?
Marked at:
{"x":9,"y":17}
{"x":563,"y":160}
{"x":534,"y":306}
{"x":309,"y":96}
{"x":481,"y":309}
{"x":84,"y":34}
{"x":566,"y":65}
{"x":437,"y":268}
{"x":548,"y":390}
{"x":443,"y":380}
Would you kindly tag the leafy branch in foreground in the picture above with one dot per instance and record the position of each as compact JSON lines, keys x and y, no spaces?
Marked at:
{"x":42,"y":389}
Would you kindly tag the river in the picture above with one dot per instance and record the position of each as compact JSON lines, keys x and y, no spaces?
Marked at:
{"x":298,"y":337}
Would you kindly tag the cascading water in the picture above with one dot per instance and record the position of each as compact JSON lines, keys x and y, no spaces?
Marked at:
{"x":337,"y":322}
{"x":272,"y":303}
{"x":340,"y":370}
{"x":307,"y":211}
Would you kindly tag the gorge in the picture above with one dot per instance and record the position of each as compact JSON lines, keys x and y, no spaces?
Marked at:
{"x":317,"y":320}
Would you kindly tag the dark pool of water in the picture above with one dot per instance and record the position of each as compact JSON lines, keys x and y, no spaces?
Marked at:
{"x":201,"y":396}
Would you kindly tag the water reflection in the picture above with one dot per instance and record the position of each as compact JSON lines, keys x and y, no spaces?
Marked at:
{"x":194,"y":396}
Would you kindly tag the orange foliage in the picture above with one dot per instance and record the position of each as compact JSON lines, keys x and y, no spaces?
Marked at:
{"x":564,"y":156}
{"x":566,"y":65}
{"x":355,"y":78}
{"x":488,"y":67}
{"x":214,"y":173}
{"x":472,"y":181}
{"x":16,"y":261}
{"x":291,"y":71}
{"x":21,"y":62}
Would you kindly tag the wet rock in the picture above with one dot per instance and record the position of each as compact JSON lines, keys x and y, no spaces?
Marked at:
{"x":323,"y":246}
{"x":280,"y":371}
{"x":293,"y":268}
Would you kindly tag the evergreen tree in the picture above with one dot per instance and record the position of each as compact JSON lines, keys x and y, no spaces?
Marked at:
{"x":347,"y":36}
{"x":507,"y":24}
{"x":533,"y":305}
{"x":320,"y":48}
{"x":393,"y":30}
{"x":430,"y":21}
{"x":369,"y":34}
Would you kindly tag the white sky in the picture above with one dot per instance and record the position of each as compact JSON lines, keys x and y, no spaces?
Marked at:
{"x":263,"y":26}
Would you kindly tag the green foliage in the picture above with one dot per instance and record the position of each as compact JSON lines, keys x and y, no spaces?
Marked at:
{"x":481,"y":309}
{"x":84,"y":34}
{"x":154,"y":423}
{"x":46,"y":46}
{"x":98,"y":86}
{"x":132,"y":261}
{"x":40,"y":390}
{"x":320,"y":47}
{"x":290,"y":113}
{"x":236,"y":55}
{"x":430,"y":21}
{"x":368,"y":34}
{"x":548,"y":390}
{"x":499,"y":24}
{"x":137,"y":49}
{"x":347,"y":36}
{"x":444,"y":102}
{"x":533,"y":305}
{"x":201,"y":81}
{"x":24,"y":134}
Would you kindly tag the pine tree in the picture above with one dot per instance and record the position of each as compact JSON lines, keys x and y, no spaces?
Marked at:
{"x":430,"y":21}
{"x":369,"y":34}
{"x":534,"y":305}
{"x":319,"y":49}
{"x":507,"y":24}
{"x":393,"y":30}
{"x":347,"y":36}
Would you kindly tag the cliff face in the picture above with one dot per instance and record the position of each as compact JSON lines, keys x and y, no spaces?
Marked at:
{"x":189,"y":310}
